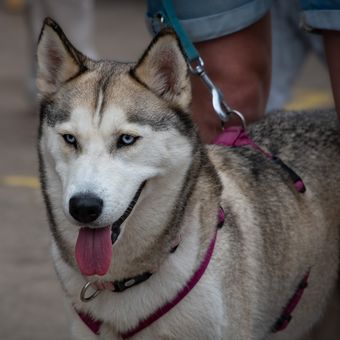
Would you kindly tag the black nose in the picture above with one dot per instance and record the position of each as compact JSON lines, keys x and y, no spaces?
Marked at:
{"x":85,"y":208}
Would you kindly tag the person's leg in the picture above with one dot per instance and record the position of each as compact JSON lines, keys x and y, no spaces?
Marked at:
{"x":323,"y":16}
{"x":233,"y":38}
{"x":332,"y":48}
{"x":290,"y":48}
{"x":240,"y":65}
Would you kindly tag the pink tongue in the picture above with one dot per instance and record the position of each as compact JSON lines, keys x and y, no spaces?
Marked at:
{"x":94,"y":251}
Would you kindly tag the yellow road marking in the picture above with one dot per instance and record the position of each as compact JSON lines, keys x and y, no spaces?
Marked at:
{"x":307,"y":99}
{"x":20,"y":181}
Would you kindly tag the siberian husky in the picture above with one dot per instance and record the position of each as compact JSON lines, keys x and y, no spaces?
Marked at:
{"x":133,"y":198}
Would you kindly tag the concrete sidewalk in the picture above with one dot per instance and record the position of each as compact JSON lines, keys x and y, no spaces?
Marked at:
{"x":31,"y":299}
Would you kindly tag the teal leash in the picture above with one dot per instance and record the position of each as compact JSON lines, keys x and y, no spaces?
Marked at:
{"x":171,"y":20}
{"x":168,"y":18}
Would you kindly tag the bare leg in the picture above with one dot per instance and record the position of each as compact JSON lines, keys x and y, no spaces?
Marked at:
{"x":240,"y":65}
{"x":332,"y":48}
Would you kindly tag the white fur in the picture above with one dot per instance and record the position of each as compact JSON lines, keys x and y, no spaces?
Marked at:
{"x":114,"y":177}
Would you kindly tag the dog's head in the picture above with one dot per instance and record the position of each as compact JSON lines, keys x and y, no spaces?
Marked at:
{"x":108,"y":131}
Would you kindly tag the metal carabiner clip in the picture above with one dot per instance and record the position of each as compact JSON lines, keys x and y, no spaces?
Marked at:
{"x":167,"y":17}
{"x":222,"y":109}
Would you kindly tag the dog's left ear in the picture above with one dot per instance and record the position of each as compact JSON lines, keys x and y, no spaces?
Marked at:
{"x":164,"y":71}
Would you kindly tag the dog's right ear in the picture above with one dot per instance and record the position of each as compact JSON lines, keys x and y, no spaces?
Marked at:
{"x":57,"y":59}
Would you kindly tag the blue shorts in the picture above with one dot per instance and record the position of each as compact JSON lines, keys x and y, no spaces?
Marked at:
{"x":320,"y":15}
{"x":205,"y":20}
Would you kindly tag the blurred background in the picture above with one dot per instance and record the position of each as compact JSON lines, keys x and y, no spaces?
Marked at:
{"x":31,"y":299}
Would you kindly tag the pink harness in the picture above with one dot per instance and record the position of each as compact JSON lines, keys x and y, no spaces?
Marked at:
{"x":235,"y":136}
{"x":232,"y":137}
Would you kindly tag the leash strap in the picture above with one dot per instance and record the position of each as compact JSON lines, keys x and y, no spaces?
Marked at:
{"x":168,"y":18}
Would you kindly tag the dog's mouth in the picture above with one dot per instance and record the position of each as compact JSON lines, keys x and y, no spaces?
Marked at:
{"x":93,"y":250}
{"x":115,"y":229}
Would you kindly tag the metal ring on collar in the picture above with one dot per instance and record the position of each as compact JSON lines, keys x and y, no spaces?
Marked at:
{"x":83,"y":296}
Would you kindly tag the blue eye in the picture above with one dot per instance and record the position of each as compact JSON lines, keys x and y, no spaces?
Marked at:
{"x":70,"y":139}
{"x":125,"y":140}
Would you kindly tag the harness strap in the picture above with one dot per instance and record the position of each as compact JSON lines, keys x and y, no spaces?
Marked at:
{"x":281,"y":323}
{"x":90,"y":322}
{"x":286,"y":315}
{"x":236,"y":136}
{"x":178,"y":298}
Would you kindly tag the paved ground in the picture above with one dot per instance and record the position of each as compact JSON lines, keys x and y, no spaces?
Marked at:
{"x":31,"y":301}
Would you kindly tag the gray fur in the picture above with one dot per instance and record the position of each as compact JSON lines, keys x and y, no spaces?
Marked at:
{"x":272,"y":234}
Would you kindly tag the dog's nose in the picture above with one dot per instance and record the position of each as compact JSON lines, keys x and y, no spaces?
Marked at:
{"x":85,"y":208}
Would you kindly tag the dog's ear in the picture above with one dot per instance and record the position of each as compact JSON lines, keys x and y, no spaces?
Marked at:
{"x":57,"y":60}
{"x":163,"y":69}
